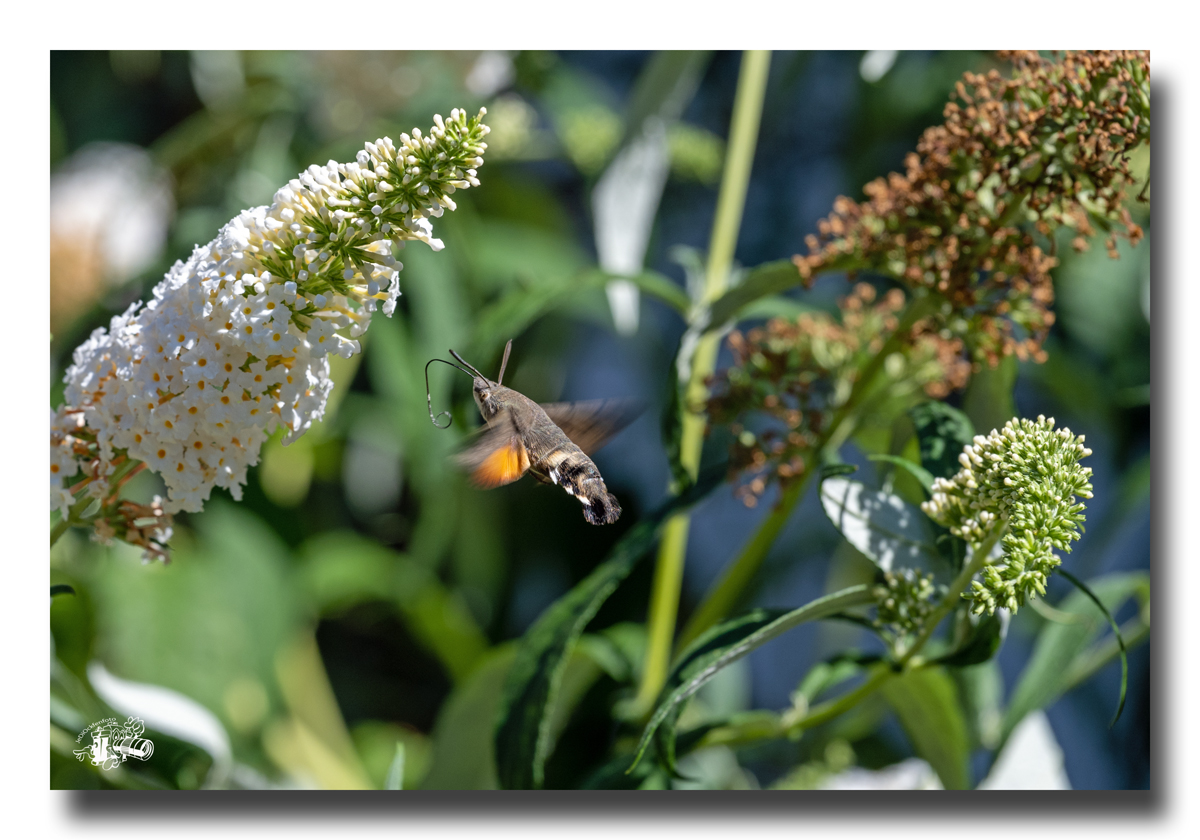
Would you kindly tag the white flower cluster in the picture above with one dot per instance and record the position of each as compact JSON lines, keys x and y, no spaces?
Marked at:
{"x":234,"y":342}
{"x":1024,"y":477}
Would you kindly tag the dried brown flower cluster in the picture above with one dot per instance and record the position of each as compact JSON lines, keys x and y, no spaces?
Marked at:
{"x":149,"y":527}
{"x":1016,"y":158}
{"x":798,"y":373}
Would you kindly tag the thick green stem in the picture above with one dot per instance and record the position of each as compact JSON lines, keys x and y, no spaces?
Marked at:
{"x":724,"y":595}
{"x":731,"y":199}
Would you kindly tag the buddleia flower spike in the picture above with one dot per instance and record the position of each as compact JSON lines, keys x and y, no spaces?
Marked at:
{"x":1022,"y":481}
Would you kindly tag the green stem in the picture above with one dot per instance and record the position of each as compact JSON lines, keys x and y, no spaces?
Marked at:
{"x":72,"y":518}
{"x":724,"y":595}
{"x":832,"y":708}
{"x":978,"y":559}
{"x":84,"y":501}
{"x":756,"y":729}
{"x":731,"y":200}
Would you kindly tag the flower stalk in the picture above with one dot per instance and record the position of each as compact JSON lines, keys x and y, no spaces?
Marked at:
{"x":731,"y":199}
{"x":978,"y":559}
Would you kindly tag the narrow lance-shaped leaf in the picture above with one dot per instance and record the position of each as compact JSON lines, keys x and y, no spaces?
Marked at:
{"x":833,"y":671}
{"x":463,"y":737}
{"x":765,"y":280}
{"x":664,"y":88}
{"x":522,"y":735}
{"x":1082,"y":587}
{"x":1059,"y":645}
{"x":724,"y":644}
{"x":672,"y":426}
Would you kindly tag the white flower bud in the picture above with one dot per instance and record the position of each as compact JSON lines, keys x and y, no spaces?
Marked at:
{"x":1026,"y":477}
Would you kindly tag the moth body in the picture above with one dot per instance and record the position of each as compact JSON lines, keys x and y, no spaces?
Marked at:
{"x":550,"y":441}
{"x":533,"y":442}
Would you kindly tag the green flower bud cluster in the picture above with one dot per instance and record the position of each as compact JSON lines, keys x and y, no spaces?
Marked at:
{"x":1023,"y":479}
{"x":904,"y":601}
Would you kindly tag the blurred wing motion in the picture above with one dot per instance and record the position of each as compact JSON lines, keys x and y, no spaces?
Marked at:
{"x":551,"y":442}
{"x":498,"y":457}
{"x":591,"y":423}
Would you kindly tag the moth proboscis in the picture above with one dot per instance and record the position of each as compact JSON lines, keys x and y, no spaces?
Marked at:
{"x":552,"y":441}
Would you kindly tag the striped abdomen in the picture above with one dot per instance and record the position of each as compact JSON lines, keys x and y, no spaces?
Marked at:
{"x":566,"y":465}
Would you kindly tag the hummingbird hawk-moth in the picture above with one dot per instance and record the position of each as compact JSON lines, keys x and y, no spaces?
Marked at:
{"x":551,"y":441}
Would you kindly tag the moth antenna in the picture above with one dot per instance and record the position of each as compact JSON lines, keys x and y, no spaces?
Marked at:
{"x":504,"y":362}
{"x":468,"y":364}
{"x":429,"y":393}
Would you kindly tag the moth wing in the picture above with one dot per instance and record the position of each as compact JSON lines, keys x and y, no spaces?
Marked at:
{"x":591,"y":423}
{"x":498,"y":457}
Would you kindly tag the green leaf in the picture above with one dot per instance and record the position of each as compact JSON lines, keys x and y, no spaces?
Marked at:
{"x":833,"y":671}
{"x":672,"y":423}
{"x":926,"y":703}
{"x":230,"y":590}
{"x":395,"y":776}
{"x":833,"y":470}
{"x":61,"y":589}
{"x":981,"y":690}
{"x":1082,"y":587}
{"x":664,"y":88}
{"x":724,"y":644}
{"x":980,"y":646}
{"x":988,"y":400}
{"x":1060,"y":646}
{"x":767,"y":279}
{"x":514,"y":312}
{"x":343,"y":568}
{"x":613,"y":775}
{"x":942,"y":431}
{"x":776,"y":306}
{"x":885,"y":528}
{"x":522,"y":735}
{"x":463,"y":757}
{"x":915,"y":470}
{"x":657,"y":285}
